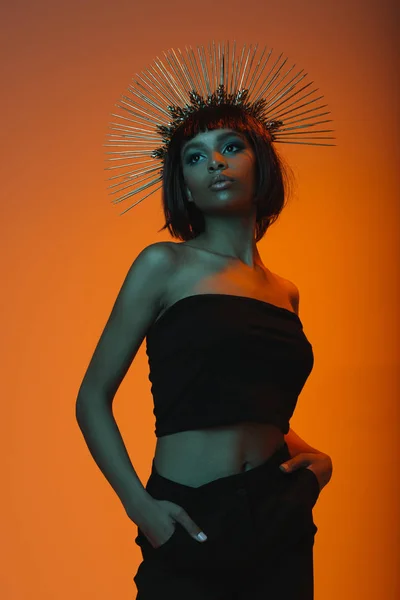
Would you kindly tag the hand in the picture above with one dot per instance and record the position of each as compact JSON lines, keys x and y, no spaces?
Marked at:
{"x":318,"y":462}
{"x":158,"y":525}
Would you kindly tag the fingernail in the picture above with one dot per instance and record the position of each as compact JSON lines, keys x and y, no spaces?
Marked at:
{"x":283,"y":468}
{"x":201,"y":536}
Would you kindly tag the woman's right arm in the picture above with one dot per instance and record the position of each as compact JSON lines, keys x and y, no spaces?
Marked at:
{"x":135,"y":309}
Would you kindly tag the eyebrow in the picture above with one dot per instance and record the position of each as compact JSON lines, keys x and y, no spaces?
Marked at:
{"x":220,"y":137}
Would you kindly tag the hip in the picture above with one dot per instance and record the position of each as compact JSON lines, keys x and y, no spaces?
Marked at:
{"x":243,"y":515}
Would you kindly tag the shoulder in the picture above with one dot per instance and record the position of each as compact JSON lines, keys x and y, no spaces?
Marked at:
{"x":177,"y":251}
{"x":155,"y":264}
{"x":293,"y":292}
{"x":153,"y":270}
{"x":159,"y":253}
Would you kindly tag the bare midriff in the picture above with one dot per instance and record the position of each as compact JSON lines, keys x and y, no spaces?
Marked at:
{"x":196,"y":457}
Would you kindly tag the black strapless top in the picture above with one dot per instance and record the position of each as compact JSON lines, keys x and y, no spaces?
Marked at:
{"x":220,"y":359}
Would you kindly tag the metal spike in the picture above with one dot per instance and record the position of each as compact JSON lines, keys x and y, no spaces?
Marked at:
{"x":204,"y":69}
{"x":128,"y":165}
{"x":270,"y":78}
{"x":290,"y":97}
{"x":293,"y":109}
{"x":189,"y":63}
{"x":237,"y":86}
{"x":241,"y":84}
{"x":167,"y":83}
{"x":137,"y":136}
{"x":179,"y":73}
{"x":131,"y":179}
{"x":221,"y":52}
{"x":171,"y":81}
{"x":156,"y":89}
{"x":198,"y":82}
{"x":181,"y":64}
{"x":280,"y":115}
{"x":141,"y":200}
{"x":150,"y":94}
{"x":139,"y":176}
{"x":287,"y":121}
{"x":132,"y":120}
{"x":250,"y":68}
{"x":305,"y":133}
{"x":130,"y":154}
{"x":214,"y":66}
{"x":277,"y":79}
{"x":171,"y":95}
{"x":230,"y":85}
{"x":238,"y":68}
{"x":304,"y":143}
{"x":148,"y":115}
{"x":144,"y":187}
{"x":280,"y":82}
{"x":147,"y":99}
{"x":255,"y":79}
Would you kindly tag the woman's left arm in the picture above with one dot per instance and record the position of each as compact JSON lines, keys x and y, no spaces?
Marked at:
{"x":304,"y":455}
{"x":296,"y":444}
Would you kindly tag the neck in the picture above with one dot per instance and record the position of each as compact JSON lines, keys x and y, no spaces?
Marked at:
{"x":246,"y":253}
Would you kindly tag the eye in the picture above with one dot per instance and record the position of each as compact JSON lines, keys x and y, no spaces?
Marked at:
{"x":191,"y":156}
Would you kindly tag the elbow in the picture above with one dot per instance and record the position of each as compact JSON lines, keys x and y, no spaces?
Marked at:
{"x":88,"y":402}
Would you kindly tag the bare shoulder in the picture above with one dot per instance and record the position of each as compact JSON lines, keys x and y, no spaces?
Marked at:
{"x":177,"y":251}
{"x":135,"y":309}
{"x":175,"y":247}
{"x":292,"y":290}
{"x":162,"y":251}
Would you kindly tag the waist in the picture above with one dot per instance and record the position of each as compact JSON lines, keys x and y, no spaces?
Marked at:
{"x":196,"y":457}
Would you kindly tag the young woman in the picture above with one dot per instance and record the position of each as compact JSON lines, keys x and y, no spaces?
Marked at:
{"x":228,"y":359}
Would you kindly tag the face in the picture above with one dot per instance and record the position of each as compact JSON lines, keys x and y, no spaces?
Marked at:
{"x":219,"y":152}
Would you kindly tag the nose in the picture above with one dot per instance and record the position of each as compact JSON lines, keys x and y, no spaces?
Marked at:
{"x":217,"y":161}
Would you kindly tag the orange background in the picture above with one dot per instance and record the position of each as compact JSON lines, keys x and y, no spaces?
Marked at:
{"x":66,"y":253}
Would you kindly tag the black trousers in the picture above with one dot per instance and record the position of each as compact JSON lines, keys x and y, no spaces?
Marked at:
{"x":260,"y":542}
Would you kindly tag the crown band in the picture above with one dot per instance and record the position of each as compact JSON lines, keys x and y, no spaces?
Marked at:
{"x":170,"y":93}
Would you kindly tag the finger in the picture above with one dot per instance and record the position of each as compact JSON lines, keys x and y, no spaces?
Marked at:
{"x":191,"y":527}
{"x":285,"y":467}
{"x":288,"y":467}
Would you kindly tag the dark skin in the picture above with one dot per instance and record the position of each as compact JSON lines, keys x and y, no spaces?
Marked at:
{"x":230,"y":214}
{"x":230,"y":217}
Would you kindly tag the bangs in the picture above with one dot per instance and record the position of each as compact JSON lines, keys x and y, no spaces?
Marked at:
{"x":224,"y":116}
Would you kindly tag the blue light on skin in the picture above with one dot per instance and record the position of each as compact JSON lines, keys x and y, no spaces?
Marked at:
{"x":229,"y":214}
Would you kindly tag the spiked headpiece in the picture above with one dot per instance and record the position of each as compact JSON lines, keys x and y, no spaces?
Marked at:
{"x":171,"y":92}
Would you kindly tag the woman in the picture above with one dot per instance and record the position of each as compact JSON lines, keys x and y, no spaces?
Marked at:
{"x":228,"y":358}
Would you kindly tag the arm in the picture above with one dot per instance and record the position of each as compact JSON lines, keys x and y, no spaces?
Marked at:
{"x":135,"y":309}
{"x":105,"y":443}
{"x":295,"y":444}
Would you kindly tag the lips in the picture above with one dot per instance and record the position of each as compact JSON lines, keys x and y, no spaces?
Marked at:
{"x":221,"y":185}
{"x":221,"y":179}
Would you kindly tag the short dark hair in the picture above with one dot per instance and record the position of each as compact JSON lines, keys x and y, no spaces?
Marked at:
{"x":182,"y":218}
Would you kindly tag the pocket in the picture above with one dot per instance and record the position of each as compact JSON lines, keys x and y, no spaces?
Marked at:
{"x":141,"y":540}
{"x":168,"y":542}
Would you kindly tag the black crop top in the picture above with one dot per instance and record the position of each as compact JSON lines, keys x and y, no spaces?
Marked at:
{"x":219,"y":359}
